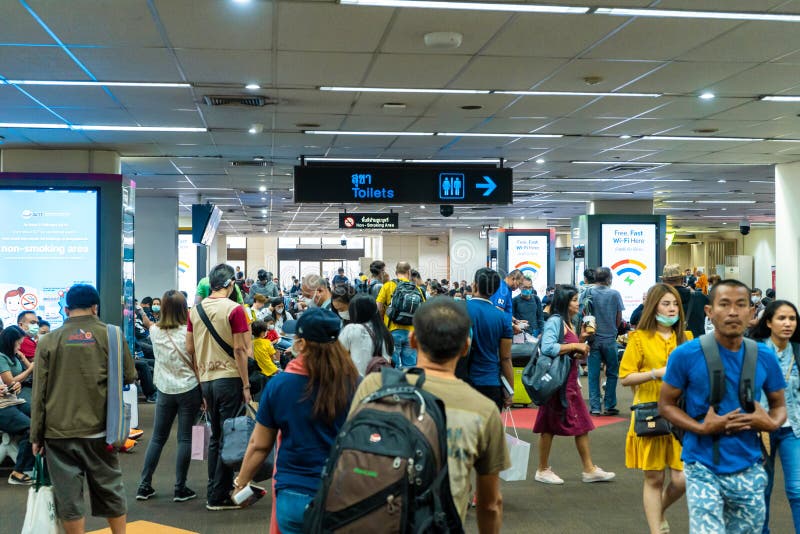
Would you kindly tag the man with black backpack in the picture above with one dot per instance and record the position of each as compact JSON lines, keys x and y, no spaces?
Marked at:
{"x":474,"y":430}
{"x":398,"y":301}
{"x":709,"y":391}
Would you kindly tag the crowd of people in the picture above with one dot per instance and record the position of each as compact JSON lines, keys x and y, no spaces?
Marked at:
{"x":309,"y":353}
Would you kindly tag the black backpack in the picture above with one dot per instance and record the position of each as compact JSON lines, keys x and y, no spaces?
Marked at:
{"x":369,"y":287}
{"x":716,"y":378}
{"x":387,"y":471}
{"x":406,"y":299}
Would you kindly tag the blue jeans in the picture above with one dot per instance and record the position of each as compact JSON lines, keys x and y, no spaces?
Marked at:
{"x":289,"y":510}
{"x":185,"y":406}
{"x":14,"y":421}
{"x":725,"y":503}
{"x":607,"y":353}
{"x":787,"y":445}
{"x":403,"y":355}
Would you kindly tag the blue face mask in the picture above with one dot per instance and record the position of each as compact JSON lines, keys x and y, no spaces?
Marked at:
{"x":663,"y":320}
{"x":527,"y":292}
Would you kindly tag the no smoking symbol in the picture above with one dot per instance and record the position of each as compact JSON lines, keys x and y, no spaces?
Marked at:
{"x":349,"y":222}
{"x":29,"y":301}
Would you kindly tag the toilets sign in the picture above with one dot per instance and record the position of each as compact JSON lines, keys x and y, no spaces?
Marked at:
{"x":417,"y":184}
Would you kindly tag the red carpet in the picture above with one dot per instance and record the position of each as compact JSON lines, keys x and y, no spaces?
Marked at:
{"x":525,"y":417}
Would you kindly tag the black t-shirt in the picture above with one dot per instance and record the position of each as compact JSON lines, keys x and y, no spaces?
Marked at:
{"x":694,"y":303}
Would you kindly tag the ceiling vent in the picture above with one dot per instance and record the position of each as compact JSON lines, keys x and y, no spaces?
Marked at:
{"x":630,"y":168}
{"x":251,"y":163}
{"x":253,"y":101}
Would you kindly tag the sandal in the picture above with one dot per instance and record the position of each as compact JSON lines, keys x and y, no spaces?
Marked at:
{"x":664,"y":529}
{"x":20,"y":480}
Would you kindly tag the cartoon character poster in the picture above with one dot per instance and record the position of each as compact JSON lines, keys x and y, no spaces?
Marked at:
{"x":629,"y":250}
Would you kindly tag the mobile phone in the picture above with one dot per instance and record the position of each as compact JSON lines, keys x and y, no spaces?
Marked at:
{"x":507,"y":386}
{"x":248,"y":495}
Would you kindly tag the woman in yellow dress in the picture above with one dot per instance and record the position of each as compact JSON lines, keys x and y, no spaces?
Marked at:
{"x":643,"y":365}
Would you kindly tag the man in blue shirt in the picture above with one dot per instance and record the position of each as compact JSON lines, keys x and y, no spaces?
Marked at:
{"x":727,"y":495}
{"x":502,"y":297}
{"x":607,"y":307}
{"x":490,"y":353}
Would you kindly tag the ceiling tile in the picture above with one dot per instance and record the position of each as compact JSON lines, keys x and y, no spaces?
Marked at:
{"x":129,"y":64}
{"x":161,"y":98}
{"x":321,"y":68}
{"x":750,"y":42}
{"x":38,"y":63}
{"x":84,"y":97}
{"x":398,"y":70}
{"x":226,"y":66}
{"x":201,"y":23}
{"x":330,"y":27}
{"x":505,"y":73}
{"x":767,"y":78}
{"x":17,"y":26}
{"x":687,"y":77}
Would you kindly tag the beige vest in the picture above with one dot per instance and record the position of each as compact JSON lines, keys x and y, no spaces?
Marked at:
{"x":212,"y":361}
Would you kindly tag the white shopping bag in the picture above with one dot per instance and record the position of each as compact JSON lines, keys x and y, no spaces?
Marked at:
{"x":40,"y":514}
{"x":519,"y":451}
{"x":130,"y":395}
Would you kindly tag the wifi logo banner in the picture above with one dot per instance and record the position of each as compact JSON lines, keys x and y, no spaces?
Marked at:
{"x":529,"y":268}
{"x":628,"y":270}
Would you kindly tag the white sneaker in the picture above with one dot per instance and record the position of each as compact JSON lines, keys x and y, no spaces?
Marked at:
{"x":548,"y":477}
{"x":598,"y":475}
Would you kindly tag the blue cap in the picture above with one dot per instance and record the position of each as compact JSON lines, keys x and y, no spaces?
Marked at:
{"x":316,"y":324}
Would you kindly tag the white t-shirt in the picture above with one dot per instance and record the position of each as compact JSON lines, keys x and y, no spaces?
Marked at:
{"x":358,"y":341}
{"x":171,"y":375}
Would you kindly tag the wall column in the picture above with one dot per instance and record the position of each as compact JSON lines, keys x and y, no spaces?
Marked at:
{"x":156,"y":235}
{"x":787,"y":226}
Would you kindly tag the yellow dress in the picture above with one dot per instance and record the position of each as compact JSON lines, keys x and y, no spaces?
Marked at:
{"x":645,"y":351}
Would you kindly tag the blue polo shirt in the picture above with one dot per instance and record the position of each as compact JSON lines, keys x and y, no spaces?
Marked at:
{"x":687,"y":371}
{"x":306,"y":442}
{"x":489,"y":326}
{"x":502,"y":299}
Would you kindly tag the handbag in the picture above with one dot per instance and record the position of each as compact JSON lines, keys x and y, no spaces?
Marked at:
{"x":201,"y":437}
{"x":40,"y":513}
{"x":236,"y":435}
{"x":647,"y":422}
{"x":544,"y":376}
{"x":518,"y":451}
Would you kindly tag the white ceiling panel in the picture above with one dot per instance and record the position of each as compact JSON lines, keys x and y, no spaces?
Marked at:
{"x":163,"y":98}
{"x":767,"y":78}
{"x":382,"y":123}
{"x":659,"y":39}
{"x":18,"y":27}
{"x":166,"y":117}
{"x":104,"y":116}
{"x":321,"y":68}
{"x":621,"y":107}
{"x":445,"y":123}
{"x":686,"y":77}
{"x":321,"y":27}
{"x":754,"y":111}
{"x":29,"y":115}
{"x":12,"y":97}
{"x":750,"y":42}
{"x":208,"y":23}
{"x":556,"y":36}
{"x":129,"y":23}
{"x":544,"y":106}
{"x":83,"y":97}
{"x":505,"y":73}
{"x":227,"y":66}
{"x":372,"y":103}
{"x":58,"y":138}
{"x":38,"y":63}
{"x":614,"y":74}
{"x":694,"y":108}
{"x":407,"y":70}
{"x":140,"y":64}
{"x":313,"y":101}
{"x":410,"y":26}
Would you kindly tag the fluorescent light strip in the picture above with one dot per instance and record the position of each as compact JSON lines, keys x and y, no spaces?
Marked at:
{"x":469,"y":6}
{"x":356,"y":160}
{"x":592,"y":193}
{"x":34,"y":125}
{"x":640,"y":180}
{"x":780,"y":98}
{"x":350,"y":132}
{"x":642,"y":163}
{"x":575,"y":93}
{"x":699,"y":138}
{"x":494,"y":161}
{"x":65,"y":83}
{"x":725,"y":201}
{"x":509,"y":135}
{"x":676,"y":13}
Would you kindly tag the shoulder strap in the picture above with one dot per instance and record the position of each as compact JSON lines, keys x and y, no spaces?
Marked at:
{"x":747,"y":379}
{"x":796,"y":352}
{"x":716,"y":371}
{"x":376,"y":348}
{"x":213,"y":331}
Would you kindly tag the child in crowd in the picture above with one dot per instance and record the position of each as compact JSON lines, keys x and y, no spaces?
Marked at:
{"x":272,"y":334}
{"x":264,"y":355}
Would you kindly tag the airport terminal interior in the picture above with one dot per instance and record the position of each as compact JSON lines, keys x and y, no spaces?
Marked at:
{"x":143,"y":142}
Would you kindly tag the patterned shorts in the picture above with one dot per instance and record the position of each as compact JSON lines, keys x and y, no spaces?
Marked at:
{"x":733,"y":503}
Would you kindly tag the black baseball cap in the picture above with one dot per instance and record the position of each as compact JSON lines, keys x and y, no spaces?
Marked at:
{"x":316,"y":324}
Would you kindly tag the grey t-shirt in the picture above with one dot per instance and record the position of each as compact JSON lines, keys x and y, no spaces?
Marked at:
{"x":606,"y":302}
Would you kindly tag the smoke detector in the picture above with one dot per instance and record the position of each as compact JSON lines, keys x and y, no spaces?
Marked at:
{"x":443,"y":40}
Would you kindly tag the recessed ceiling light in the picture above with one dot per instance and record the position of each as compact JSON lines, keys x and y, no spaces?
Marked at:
{"x":259,"y":158}
{"x":241,"y":1}
{"x":708,"y":95}
{"x":625,"y":136}
{"x":256,"y":128}
{"x":722,"y":181}
{"x":252,"y":86}
{"x":540,"y":161}
{"x":262,"y":188}
{"x":394,"y":105}
{"x":422,"y":207}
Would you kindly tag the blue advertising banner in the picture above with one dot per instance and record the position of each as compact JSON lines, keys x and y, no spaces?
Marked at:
{"x":48,"y":243}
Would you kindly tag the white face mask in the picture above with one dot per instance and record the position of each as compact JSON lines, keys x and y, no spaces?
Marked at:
{"x":345,"y":315}
{"x":756,"y":299}
{"x":271,"y":327}
{"x":279,"y":311}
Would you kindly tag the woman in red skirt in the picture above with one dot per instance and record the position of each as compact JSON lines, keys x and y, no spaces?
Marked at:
{"x":553,"y":418}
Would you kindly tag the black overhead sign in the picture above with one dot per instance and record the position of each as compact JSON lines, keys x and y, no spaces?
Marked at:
{"x":369,"y":221}
{"x":409,"y":184}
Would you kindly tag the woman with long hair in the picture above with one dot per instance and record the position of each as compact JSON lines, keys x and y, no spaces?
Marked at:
{"x":660,"y":330}
{"x":777,"y":328}
{"x":308,"y":404}
{"x":14,"y":367}
{"x":553,"y":418}
{"x":179,"y":394}
{"x":366,"y":335}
